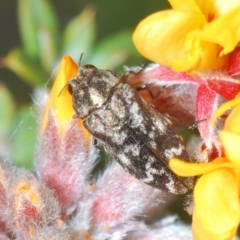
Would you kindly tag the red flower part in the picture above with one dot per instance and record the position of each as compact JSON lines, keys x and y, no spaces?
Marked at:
{"x":63,"y":160}
{"x":187,"y":98}
{"x":4,"y":236}
{"x":226,"y":88}
{"x":234,"y":62}
{"x":119,"y":198}
{"x":207,"y":102}
{"x":31,"y":204}
{"x":5,"y":175}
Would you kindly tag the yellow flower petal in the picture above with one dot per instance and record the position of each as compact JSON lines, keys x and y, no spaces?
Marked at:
{"x":161,"y":37}
{"x":223,"y":31}
{"x":185,"y":5}
{"x":216,"y":213}
{"x":231,"y":144}
{"x":195,"y":36}
{"x":61,"y":103}
{"x":212,"y":9}
{"x":232,"y":121}
{"x":224,"y":107}
{"x":200,"y":56}
{"x":186,"y":169}
{"x":60,"y":100}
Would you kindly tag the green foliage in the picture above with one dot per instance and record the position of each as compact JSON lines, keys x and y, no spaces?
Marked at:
{"x":44,"y":45}
{"x":80,"y":34}
{"x":24,"y":137}
{"x":7,"y":109}
{"x":39,"y":31}
{"x":25,"y":67}
{"x":17,"y":130}
{"x":115,"y":50}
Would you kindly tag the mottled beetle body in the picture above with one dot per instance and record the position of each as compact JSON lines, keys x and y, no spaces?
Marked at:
{"x":132,"y":131}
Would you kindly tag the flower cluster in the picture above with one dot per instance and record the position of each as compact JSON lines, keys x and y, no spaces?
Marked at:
{"x":191,"y":38}
{"x":62,"y":198}
{"x":194,"y":36}
{"x":195,"y":47}
{"x":196,"y":69}
{"x":216,"y":213}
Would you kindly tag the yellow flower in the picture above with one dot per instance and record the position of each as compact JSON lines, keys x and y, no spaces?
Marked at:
{"x":216,"y":213}
{"x":230,"y":135}
{"x":194,"y":36}
{"x":60,"y":100}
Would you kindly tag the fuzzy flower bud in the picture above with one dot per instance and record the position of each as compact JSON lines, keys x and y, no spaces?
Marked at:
{"x":64,"y":145}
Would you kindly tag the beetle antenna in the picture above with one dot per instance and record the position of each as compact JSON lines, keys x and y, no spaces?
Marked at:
{"x":80,"y":60}
{"x":63,"y":89}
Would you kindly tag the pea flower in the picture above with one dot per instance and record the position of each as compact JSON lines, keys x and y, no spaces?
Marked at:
{"x":216,"y":213}
{"x":197,"y":61}
{"x":195,"y":36}
{"x":64,"y":146}
{"x":60,"y":100}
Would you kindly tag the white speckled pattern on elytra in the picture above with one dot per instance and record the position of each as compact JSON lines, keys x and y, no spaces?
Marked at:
{"x":161,"y":125}
{"x":133,"y":149}
{"x":174,"y":151}
{"x":118,"y":138}
{"x":149,"y":172}
{"x":124,"y":159}
{"x":127,"y":94}
{"x":151,"y":134}
{"x":153,"y":144}
{"x":137,"y":120}
{"x":137,"y":136}
{"x":170,"y":185}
